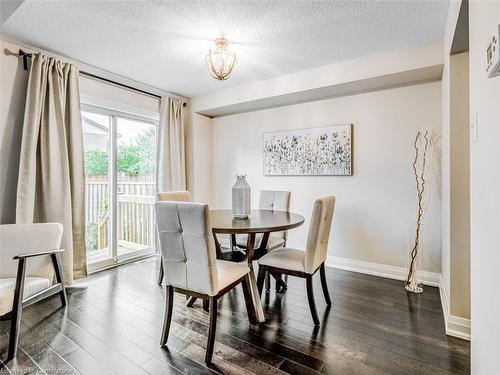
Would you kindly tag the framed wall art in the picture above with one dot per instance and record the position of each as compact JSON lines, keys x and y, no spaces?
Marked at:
{"x":325,"y":151}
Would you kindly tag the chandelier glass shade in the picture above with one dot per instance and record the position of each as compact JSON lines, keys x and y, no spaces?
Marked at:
{"x":220,"y":62}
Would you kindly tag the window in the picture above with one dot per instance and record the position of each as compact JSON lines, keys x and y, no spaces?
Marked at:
{"x":120,"y":165}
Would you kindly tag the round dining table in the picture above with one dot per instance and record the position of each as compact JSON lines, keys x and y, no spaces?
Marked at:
{"x":259,"y":221}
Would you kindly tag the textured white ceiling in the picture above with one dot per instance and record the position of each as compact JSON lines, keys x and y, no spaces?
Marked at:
{"x":163,"y":43}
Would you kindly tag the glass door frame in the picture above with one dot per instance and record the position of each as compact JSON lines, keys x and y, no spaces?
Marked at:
{"x":102,"y":261}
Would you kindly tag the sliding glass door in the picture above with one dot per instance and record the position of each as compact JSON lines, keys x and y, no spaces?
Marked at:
{"x":136,"y":189}
{"x":120,"y":165}
{"x":97,"y":146}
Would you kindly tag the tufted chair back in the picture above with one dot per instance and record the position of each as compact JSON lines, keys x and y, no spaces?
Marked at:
{"x":187,"y":248}
{"x":319,"y":233}
{"x":275,"y":200}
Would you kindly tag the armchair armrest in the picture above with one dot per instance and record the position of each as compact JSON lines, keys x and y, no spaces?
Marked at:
{"x":20,"y":278}
{"x":30,"y":255}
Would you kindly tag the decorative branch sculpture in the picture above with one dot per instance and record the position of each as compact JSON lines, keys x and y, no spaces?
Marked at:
{"x":411,"y":278}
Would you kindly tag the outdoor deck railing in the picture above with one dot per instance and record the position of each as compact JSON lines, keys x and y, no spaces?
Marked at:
{"x":135,"y":212}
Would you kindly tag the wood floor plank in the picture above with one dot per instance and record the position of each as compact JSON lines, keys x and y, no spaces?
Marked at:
{"x":351,"y":336}
{"x":218,"y":364}
{"x":172,"y":355}
{"x":77,"y":357}
{"x":223,"y":352}
{"x":48,"y":359}
{"x":106,"y":354}
{"x":226,"y":349}
{"x":22,"y":364}
{"x":156,"y":367}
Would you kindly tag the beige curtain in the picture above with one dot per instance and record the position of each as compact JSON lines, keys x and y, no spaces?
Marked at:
{"x":51,"y":170}
{"x":171,"y":161}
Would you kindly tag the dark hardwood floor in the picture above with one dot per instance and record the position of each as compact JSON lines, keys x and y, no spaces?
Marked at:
{"x":113,"y":327}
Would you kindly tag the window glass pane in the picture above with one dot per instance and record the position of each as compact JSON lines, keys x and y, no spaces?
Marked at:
{"x":96,"y":142}
{"x":136,"y":167}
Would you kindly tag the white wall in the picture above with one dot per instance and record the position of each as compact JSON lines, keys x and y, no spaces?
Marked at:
{"x":13,"y":84}
{"x":484,"y":18}
{"x":375,"y":211}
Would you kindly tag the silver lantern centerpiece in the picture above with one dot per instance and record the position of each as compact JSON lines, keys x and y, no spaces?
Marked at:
{"x":241,"y":198}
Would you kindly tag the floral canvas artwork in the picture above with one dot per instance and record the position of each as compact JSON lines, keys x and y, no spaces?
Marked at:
{"x":323,"y":151}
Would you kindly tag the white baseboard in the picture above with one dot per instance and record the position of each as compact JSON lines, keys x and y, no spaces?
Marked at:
{"x":378,"y":269}
{"x":455,"y":326}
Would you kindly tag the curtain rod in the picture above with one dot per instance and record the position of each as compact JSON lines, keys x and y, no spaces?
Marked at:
{"x":26,"y":55}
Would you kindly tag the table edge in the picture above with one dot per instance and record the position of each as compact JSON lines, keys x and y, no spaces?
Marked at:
{"x":270,"y":229}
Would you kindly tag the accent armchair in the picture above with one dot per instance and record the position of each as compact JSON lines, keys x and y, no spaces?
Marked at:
{"x":29,"y":262}
{"x":305,"y":264}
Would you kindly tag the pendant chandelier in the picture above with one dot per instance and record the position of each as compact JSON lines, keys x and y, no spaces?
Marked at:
{"x":220,"y":62}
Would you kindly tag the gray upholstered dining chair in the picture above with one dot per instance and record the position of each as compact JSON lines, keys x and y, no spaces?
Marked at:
{"x":173,"y":196}
{"x":191,"y":267}
{"x":29,"y":263}
{"x":268,"y":200}
{"x":305,"y":264}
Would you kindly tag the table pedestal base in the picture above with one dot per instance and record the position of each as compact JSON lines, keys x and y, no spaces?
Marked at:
{"x":259,"y":312}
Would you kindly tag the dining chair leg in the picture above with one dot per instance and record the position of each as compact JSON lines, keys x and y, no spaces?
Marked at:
{"x":206,"y":305}
{"x":324,"y":285}
{"x":233,"y":242}
{"x":310,"y":298}
{"x":211,"y":329}
{"x":280,"y":284}
{"x":218,"y":249}
{"x":260,"y":278}
{"x":161,"y":272}
{"x":268,"y":281}
{"x":169,"y":305}
{"x":245,"y":284}
{"x":191,"y":301}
